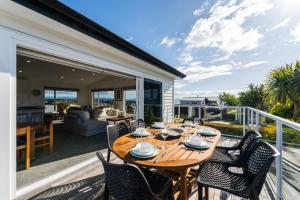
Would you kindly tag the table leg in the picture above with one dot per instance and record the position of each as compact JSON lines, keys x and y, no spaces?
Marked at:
{"x":32,"y":145}
{"x":183,"y":185}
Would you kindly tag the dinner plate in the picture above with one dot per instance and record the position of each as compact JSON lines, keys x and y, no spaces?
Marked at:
{"x":138,"y":134}
{"x":205,"y":145}
{"x":174,"y":132}
{"x":191,"y":125}
{"x":207,"y":132}
{"x":158,"y":126}
{"x":153,"y":152}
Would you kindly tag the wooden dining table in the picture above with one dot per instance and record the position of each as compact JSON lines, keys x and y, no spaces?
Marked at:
{"x":173,"y":154}
{"x":33,"y":128}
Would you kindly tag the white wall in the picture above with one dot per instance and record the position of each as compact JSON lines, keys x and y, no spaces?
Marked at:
{"x":25,"y":87}
{"x":22,"y":27}
{"x":168,"y":100}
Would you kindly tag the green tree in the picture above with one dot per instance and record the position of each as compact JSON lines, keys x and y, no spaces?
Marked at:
{"x":254,"y":96}
{"x":229,"y":99}
{"x":283,"y":86}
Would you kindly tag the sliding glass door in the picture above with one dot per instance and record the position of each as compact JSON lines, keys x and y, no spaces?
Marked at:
{"x":152,"y":101}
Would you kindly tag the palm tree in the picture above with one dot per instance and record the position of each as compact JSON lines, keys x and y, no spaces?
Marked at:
{"x":282,"y":85}
{"x":296,"y":79}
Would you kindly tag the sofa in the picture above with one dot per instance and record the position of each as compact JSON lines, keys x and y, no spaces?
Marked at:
{"x":79,"y":122}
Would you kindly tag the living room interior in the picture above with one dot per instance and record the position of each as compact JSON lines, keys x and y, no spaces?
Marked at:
{"x":77,"y":101}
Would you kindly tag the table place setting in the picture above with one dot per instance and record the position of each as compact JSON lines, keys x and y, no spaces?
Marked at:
{"x":196,"y":142}
{"x":206,"y":132}
{"x":140,"y":132}
{"x":158,"y":125}
{"x":188,"y":124}
{"x":144,"y":150}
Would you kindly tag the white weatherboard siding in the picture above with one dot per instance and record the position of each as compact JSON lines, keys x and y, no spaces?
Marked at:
{"x":168,"y":100}
{"x":22,"y":27}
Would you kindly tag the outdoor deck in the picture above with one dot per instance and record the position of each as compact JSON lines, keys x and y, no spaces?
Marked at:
{"x":268,"y":192}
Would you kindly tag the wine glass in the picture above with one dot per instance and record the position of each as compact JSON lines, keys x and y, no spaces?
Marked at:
{"x":141,"y":129}
{"x":164,"y":133}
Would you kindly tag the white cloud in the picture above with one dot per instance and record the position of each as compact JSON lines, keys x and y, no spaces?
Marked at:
{"x":224,"y":29}
{"x":129,"y":39}
{"x":195,"y":72}
{"x":168,"y":41}
{"x":279,"y":25}
{"x":295,"y":32}
{"x":185,"y":57}
{"x":254,"y":63}
{"x":198,"y":12}
{"x":180,"y":84}
{"x":223,"y":58}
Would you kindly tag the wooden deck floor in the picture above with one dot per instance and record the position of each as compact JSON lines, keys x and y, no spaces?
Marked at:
{"x":214,"y":194}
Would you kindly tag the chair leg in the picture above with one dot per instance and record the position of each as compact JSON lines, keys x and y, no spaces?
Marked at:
{"x":200,"y":192}
{"x":106,"y":194}
{"x":108,"y":155}
{"x":206,"y":193}
{"x":170,"y":194}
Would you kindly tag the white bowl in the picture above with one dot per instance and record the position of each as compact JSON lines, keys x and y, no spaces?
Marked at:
{"x":194,"y":139}
{"x":144,"y":147}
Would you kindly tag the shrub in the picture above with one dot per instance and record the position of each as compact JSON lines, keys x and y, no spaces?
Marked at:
{"x":282,"y":110}
{"x":226,"y":128}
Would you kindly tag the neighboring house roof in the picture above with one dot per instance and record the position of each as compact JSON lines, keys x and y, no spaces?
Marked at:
{"x":193,"y":98}
{"x":69,"y":17}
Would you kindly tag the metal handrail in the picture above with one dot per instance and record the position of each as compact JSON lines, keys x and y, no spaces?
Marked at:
{"x":286,"y":122}
{"x":241,"y":116}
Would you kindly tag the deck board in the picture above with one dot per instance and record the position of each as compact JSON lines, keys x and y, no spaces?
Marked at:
{"x":214,"y":194}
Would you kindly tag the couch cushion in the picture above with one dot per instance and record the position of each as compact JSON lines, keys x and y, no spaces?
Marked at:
{"x":112,"y":112}
{"x":84,"y":115}
{"x":93,"y":124}
{"x":97,"y":112}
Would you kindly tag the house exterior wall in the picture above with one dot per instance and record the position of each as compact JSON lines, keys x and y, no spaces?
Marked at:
{"x":21,"y":27}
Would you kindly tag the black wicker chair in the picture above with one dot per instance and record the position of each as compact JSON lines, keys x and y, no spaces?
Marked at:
{"x":255,"y":165}
{"x":233,"y":153}
{"x":134,"y":124}
{"x":113,"y":133}
{"x":188,"y":120}
{"x":128,"y":182}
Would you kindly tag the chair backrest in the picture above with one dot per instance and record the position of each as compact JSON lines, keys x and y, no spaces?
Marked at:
{"x":257,"y":163}
{"x":37,"y":117}
{"x":125,"y":181}
{"x":250,"y":138}
{"x":134,"y":124}
{"x":188,"y":120}
{"x":115,"y":131}
{"x":22,"y":118}
{"x":22,"y":131}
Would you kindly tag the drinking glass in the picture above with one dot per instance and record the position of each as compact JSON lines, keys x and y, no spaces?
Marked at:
{"x":164,"y":133}
{"x":141,"y":128}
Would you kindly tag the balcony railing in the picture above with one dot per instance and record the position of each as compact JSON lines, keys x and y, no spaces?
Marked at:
{"x":250,"y":118}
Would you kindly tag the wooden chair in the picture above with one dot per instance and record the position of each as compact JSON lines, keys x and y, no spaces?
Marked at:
{"x":21,"y":146}
{"x":45,"y":138}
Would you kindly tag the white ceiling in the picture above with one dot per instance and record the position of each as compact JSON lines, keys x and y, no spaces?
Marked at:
{"x":35,"y":69}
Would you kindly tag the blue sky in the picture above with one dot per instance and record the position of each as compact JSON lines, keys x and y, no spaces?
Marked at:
{"x":220,"y":45}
